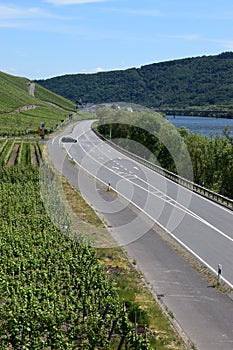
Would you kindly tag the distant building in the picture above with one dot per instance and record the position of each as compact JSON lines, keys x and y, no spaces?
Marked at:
{"x":129,"y":109}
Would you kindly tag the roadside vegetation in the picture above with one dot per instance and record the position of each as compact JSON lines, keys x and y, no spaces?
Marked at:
{"x":211,"y":157}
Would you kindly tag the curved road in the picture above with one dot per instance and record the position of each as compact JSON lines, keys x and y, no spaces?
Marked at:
{"x":201,"y":226}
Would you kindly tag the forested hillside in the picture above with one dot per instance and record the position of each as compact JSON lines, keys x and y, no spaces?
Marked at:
{"x":194,"y":83}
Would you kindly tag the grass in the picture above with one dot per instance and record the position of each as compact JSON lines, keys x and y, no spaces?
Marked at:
{"x":79,"y":206}
{"x":49,"y":107}
{"x":18,"y":123}
{"x":42,"y":94}
{"x":14,"y":93}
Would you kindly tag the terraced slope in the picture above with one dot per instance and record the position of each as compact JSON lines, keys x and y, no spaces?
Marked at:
{"x":20,"y":109}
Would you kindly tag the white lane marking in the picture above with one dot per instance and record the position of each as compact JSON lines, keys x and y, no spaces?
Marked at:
{"x":164,"y":197}
{"x":56,"y":138}
{"x":129,"y":177}
{"x":163,"y":227}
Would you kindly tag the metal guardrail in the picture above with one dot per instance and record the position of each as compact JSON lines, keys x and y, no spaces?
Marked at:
{"x":216,"y":197}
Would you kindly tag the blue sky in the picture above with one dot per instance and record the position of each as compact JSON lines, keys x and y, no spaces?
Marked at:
{"x":46,"y":38}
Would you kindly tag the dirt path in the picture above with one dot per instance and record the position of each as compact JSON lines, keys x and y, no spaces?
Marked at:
{"x":13,"y":155}
{"x":24,"y":108}
{"x":31,"y":89}
{"x":34,"y":157}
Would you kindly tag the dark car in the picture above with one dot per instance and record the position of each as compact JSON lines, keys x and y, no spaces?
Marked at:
{"x":68,"y":139}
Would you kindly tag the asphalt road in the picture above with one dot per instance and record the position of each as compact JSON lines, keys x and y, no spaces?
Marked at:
{"x":203,"y":227}
{"x":200,"y":225}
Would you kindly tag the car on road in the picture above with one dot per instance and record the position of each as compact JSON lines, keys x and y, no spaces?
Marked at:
{"x":68,"y":139}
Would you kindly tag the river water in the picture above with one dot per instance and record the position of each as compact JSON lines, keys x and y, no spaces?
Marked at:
{"x":201,"y":125}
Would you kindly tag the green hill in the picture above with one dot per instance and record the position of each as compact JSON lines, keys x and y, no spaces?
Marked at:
{"x":200,"y":83}
{"x":22,"y":107}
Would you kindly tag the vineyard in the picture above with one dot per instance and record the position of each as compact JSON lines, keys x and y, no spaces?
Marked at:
{"x":21,"y":153}
{"x":54,"y":293}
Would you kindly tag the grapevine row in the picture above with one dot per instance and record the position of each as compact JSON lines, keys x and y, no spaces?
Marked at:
{"x":28,"y":153}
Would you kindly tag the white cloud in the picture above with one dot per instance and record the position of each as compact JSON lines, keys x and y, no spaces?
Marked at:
{"x":10,"y":12}
{"x":99,"y":69}
{"x":12,"y":70}
{"x":189,"y":37}
{"x":138,"y":12}
{"x":9,"y":70}
{"x":226,"y":44}
{"x":219,"y":16}
{"x":146,"y":13}
{"x":71,"y":2}
{"x":10,"y":25}
{"x":14,"y":17}
{"x":7,"y":12}
{"x":92,"y":70}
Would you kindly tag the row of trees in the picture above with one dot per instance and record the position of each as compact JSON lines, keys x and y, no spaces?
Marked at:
{"x":207,"y":161}
{"x":212,"y":160}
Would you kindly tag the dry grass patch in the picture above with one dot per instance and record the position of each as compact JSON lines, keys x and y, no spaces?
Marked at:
{"x":79,"y":206}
